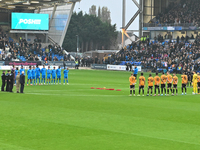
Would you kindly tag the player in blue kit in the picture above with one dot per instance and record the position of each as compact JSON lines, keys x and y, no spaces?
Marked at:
{"x":33,"y":75}
{"x":29,"y":74}
{"x":53,"y":74}
{"x":16,"y":72}
{"x":37,"y":70}
{"x":49,"y":75}
{"x":65,"y":72}
{"x":21,"y":70}
{"x":58,"y":72}
{"x":43,"y":72}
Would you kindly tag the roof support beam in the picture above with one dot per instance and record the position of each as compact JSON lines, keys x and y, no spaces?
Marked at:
{"x":125,"y":27}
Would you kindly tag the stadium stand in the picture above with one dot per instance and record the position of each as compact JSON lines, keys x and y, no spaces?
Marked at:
{"x":27,"y":51}
{"x":161,"y":54}
{"x":182,"y":13}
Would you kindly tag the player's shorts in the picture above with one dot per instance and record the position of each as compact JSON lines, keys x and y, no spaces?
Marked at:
{"x":150,"y":87}
{"x":37,"y":76}
{"x":135,"y":75}
{"x":156,"y":86}
{"x":29,"y":78}
{"x":132,"y":86}
{"x":33,"y":77}
{"x":58,"y":77}
{"x":183,"y":85}
{"x":65,"y":77}
{"x":198,"y":84}
{"x":48,"y":77}
{"x":169,"y":85}
{"x":43,"y":76}
{"x":175,"y":86}
{"x":53,"y":77}
{"x":141,"y":87}
{"x":162,"y":85}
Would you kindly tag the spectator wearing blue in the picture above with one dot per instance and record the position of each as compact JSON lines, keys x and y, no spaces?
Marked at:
{"x":135,"y":72}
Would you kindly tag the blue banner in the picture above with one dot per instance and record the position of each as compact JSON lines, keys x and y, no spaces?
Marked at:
{"x":30,"y":21}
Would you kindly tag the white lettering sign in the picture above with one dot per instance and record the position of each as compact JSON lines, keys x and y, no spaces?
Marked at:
{"x":30,"y":21}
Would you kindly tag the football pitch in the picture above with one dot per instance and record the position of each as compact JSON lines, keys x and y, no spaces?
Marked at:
{"x":75,"y":117}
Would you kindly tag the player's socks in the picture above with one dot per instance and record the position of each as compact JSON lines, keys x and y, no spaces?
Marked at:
{"x":133,"y":91}
{"x":176,"y":91}
{"x":171,"y":90}
{"x":67,"y":81}
{"x":130,"y":92}
{"x":143,"y":92}
{"x":167,"y":91}
{"x":44,"y":81}
{"x":41,"y":81}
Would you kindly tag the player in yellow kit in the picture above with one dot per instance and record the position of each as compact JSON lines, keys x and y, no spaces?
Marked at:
{"x":194,"y":82}
{"x":157,"y":84}
{"x":198,"y":82}
{"x":175,"y":82}
{"x":169,"y":83}
{"x":184,"y":82}
{"x":132,"y":81}
{"x":150,"y":84}
{"x":163,"y":83}
{"x":141,"y":84}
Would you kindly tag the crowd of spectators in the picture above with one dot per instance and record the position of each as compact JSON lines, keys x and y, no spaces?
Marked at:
{"x":29,"y":51}
{"x":181,"y":55}
{"x":178,"y":13}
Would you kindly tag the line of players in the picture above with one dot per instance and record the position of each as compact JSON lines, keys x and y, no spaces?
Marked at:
{"x":170,"y":80}
{"x":50,"y":76}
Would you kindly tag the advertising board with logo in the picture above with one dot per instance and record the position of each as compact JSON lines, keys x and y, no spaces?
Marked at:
{"x":121,"y":67}
{"x":29,"y":21}
{"x":24,"y":63}
{"x":99,"y":66}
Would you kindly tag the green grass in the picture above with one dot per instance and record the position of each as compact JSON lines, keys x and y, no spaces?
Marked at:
{"x":75,"y":117}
